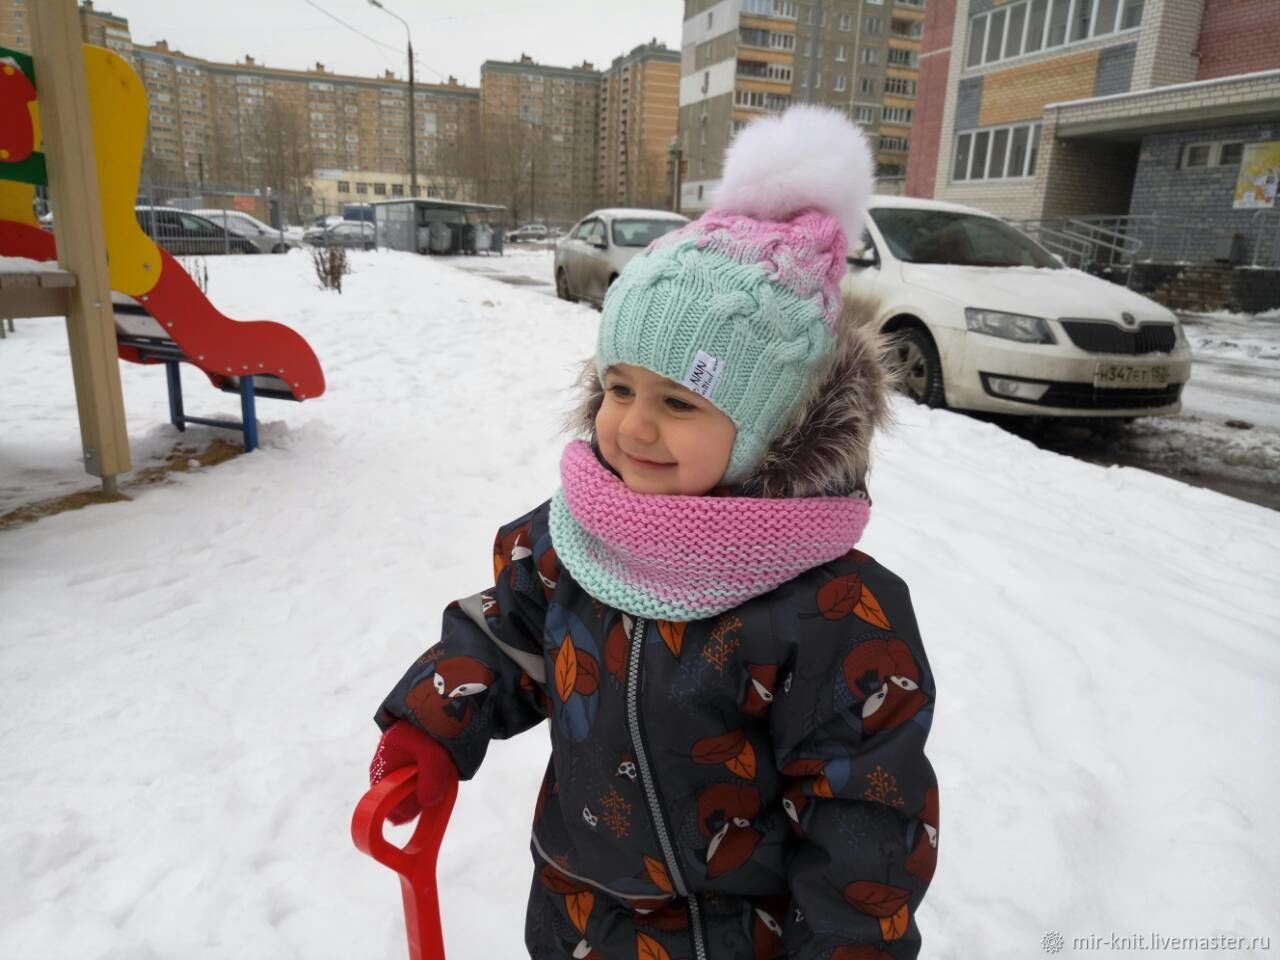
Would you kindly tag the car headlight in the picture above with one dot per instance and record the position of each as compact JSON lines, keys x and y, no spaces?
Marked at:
{"x":1180,"y":340}
{"x":1009,"y":326}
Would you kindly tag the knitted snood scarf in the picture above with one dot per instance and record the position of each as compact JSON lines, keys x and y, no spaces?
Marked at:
{"x":684,"y":557}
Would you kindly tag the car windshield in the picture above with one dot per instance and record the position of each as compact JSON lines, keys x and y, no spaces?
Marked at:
{"x":945,"y":236}
{"x":641,"y":233}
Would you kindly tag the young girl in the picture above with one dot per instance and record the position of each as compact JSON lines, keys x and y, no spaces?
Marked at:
{"x":738,"y":698}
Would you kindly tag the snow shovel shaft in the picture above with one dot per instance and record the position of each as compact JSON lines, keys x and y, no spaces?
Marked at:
{"x":416,"y":861}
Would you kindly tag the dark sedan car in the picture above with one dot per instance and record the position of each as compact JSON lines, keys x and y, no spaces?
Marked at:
{"x":185,"y":234}
{"x":357,"y":234}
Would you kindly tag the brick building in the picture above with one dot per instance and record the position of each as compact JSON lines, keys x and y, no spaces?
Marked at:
{"x":639,"y":101}
{"x":541,"y":144}
{"x":1044,"y":109}
{"x":742,"y":58}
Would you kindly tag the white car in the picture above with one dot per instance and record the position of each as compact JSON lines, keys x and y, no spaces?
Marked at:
{"x":986,"y":319}
{"x":263,"y":236}
{"x":601,"y":243}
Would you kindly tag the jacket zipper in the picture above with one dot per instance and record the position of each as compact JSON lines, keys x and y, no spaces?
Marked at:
{"x":651,"y":790}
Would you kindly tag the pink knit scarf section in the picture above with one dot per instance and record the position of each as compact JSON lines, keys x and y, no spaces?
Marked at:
{"x":696,"y":555}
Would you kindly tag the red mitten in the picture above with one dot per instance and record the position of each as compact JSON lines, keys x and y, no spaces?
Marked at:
{"x":405,"y":745}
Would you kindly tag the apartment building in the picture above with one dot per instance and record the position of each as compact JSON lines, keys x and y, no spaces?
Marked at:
{"x":639,"y":102}
{"x":541,"y":137}
{"x":220,"y":123}
{"x":1053,"y":108}
{"x":225,"y":119}
{"x":743,"y":58}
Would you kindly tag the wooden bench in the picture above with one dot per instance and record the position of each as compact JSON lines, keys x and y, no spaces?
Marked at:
{"x":32,"y":293}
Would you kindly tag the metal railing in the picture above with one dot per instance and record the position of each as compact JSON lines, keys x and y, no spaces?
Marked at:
{"x":1111,"y":245}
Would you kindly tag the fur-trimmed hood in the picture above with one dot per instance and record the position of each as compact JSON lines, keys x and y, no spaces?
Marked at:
{"x":824,"y":449}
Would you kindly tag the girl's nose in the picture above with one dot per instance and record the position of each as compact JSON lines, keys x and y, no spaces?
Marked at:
{"x":639,"y":424}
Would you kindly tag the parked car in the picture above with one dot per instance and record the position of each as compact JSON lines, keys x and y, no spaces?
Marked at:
{"x":262,"y":235}
{"x":528,"y":233}
{"x":987,"y":319}
{"x":183,"y":233}
{"x":346,"y":233}
{"x":590,"y":257}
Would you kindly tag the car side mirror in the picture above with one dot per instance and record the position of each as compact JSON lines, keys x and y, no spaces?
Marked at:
{"x":862,"y":257}
{"x":600,"y":243}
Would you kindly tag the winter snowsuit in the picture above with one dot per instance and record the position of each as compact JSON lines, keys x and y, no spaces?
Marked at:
{"x":750,"y":785}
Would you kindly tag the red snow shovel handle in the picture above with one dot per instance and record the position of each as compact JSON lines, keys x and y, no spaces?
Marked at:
{"x":416,"y":861}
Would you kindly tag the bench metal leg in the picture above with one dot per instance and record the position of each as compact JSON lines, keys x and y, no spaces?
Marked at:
{"x":248,"y":414}
{"x":173,"y":376}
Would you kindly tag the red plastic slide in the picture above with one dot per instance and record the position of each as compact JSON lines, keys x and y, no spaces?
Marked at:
{"x":215,"y":343}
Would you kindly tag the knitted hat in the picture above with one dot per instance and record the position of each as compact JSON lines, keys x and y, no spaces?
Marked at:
{"x":739,"y":306}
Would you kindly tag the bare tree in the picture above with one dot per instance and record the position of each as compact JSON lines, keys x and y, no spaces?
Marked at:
{"x":286,"y":155}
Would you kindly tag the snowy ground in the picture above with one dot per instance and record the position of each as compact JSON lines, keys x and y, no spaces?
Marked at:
{"x":188,"y":678}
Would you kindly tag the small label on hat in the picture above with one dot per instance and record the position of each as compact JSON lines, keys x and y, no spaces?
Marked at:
{"x":703,"y":374}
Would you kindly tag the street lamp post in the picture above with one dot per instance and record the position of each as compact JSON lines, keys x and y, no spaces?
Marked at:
{"x":413,"y":130}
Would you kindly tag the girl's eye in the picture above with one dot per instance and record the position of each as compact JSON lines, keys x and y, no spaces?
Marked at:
{"x":680,"y":405}
{"x":619,"y":390}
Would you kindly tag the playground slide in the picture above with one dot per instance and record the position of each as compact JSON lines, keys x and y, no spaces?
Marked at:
{"x":278,"y":358}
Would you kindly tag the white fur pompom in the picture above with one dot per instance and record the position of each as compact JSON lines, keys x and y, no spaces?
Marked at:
{"x":808,"y":157}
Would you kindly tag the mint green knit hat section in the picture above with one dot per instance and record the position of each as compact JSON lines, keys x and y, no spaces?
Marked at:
{"x":740,"y":305}
{"x":721,"y":328}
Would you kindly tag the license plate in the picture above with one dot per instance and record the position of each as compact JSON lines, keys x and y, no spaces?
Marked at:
{"x":1120,"y":376}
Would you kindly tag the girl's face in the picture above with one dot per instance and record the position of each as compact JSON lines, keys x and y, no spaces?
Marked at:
{"x":659,"y":436}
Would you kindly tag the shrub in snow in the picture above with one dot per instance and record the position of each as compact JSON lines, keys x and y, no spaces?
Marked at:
{"x":331,"y":266}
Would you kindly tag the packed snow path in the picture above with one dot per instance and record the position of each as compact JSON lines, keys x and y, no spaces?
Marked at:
{"x":188,"y":678}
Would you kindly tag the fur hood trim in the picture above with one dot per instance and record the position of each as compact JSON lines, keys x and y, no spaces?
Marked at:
{"x":824,"y":449}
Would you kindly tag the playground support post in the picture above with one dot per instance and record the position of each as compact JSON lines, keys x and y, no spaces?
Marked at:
{"x":74,"y":195}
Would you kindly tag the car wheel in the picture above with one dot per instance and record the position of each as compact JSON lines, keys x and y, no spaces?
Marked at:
{"x":920,"y":368}
{"x":368,"y":246}
{"x":280,"y":248}
{"x":562,"y":286}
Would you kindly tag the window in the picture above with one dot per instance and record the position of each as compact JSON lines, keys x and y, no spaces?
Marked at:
{"x":1029,"y":26}
{"x":897,"y":115}
{"x":995,"y":35}
{"x":1202,"y":155}
{"x":871,"y":25}
{"x":895,"y":144}
{"x":997,"y":153}
{"x":344,"y":186}
{"x":899,"y":87}
{"x":397,"y":189}
{"x":867,"y":86}
{"x":1230,"y":154}
{"x":841,"y":81}
{"x":865,"y":115}
{"x":846,"y":22}
{"x":903,"y":58}
{"x":710,"y":18}
{"x":870,"y":55}
{"x":1197,"y":155}
{"x":782,"y":41}
{"x":817,"y":81}
{"x":842,"y":53}
{"x":911,"y":29}
{"x":362,"y":188}
{"x":751,"y":37}
{"x":379,"y":189}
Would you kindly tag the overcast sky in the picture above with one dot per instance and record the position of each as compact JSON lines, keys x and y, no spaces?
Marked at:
{"x":449,"y":36}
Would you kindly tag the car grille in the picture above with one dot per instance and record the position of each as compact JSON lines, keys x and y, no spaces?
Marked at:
{"x":1099,"y":336}
{"x":1084,"y":396}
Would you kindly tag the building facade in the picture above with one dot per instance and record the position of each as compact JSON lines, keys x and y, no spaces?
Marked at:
{"x":1050,"y":108}
{"x":639,"y":102}
{"x":248,"y":124}
{"x":540,"y":150}
{"x":744,"y":58}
